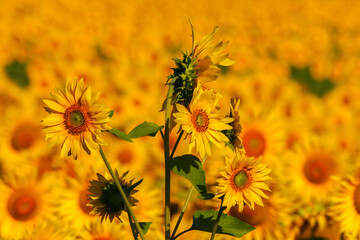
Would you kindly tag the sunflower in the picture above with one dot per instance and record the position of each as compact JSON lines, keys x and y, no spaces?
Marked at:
{"x":262,"y":133}
{"x":209,"y":56}
{"x":46,"y":230}
{"x":73,"y":199}
{"x":346,"y":205}
{"x":25,"y":201}
{"x":310,"y":167}
{"x":271,"y":221}
{"x":203,"y":122}
{"x":75,"y":119}
{"x":97,"y":230}
{"x":105,"y":198}
{"x":21,"y":138}
{"x":243,"y":181}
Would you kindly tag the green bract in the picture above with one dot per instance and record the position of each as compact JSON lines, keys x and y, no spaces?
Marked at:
{"x":184,"y":75}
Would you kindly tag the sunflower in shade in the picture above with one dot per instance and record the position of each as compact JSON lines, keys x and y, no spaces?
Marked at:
{"x":105,"y":198}
{"x":76,"y":121}
{"x":243,"y":181}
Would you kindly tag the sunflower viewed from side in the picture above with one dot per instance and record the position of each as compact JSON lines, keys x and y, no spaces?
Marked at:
{"x":105,"y":198}
{"x":203,"y":122}
{"x":75,"y":120}
{"x":243,"y":181}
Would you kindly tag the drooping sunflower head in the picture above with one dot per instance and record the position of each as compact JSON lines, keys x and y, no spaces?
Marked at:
{"x":75,"y":120}
{"x":105,"y":198}
{"x":233,"y":134}
{"x":243,"y":181}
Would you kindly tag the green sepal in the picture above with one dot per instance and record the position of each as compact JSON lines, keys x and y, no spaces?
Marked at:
{"x":16,"y":71}
{"x":120,"y":134}
{"x":205,"y":220}
{"x":111,"y":113}
{"x":145,"y":226}
{"x":145,"y":129}
{"x":190,"y":167}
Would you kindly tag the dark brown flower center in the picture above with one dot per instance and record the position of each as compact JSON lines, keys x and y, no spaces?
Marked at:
{"x":254,"y":142}
{"x":125,"y":156}
{"x":22,"y":206}
{"x":25,"y":135}
{"x":76,"y":119}
{"x":319,"y":167}
{"x":200,"y":120}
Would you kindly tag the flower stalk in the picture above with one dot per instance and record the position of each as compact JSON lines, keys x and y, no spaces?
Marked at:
{"x":167,"y":157}
{"x":123,"y":195}
{"x":221,"y":209}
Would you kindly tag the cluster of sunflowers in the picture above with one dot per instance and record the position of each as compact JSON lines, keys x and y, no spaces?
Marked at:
{"x":297,"y":78}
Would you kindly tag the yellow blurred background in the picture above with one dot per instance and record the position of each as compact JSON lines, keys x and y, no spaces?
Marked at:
{"x":297,"y":74}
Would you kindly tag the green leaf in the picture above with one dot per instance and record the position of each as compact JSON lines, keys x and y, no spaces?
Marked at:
{"x":145,"y":226}
{"x":111,"y":113}
{"x":205,"y":220}
{"x":303,"y":76}
{"x":145,"y":129}
{"x":190,"y":167}
{"x":16,"y":71}
{"x":119,"y":134}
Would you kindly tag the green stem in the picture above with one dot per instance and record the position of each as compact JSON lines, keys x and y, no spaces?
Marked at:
{"x":221,"y":209}
{"x":185,"y":205}
{"x":176,"y":144}
{"x":123,"y":195}
{"x":132,"y":226}
{"x":167,"y":158}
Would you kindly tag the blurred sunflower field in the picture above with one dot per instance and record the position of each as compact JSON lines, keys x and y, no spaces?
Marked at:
{"x":297,"y":75}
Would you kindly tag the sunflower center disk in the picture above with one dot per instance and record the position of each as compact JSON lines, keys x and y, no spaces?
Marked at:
{"x":254,"y":143}
{"x":112,"y":199}
{"x":200,"y":120}
{"x":25,"y":136}
{"x":241,"y":179}
{"x":22,"y":207}
{"x":357,"y":198}
{"x":317,"y":169}
{"x":76,"y":118}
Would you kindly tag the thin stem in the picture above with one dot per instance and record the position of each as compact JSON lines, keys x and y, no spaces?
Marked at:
{"x":185,"y":205}
{"x":221,"y":209}
{"x":167,"y":158}
{"x":176,"y":144}
{"x":123,"y":195}
{"x":133,"y":230}
{"x":182,"y":211}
